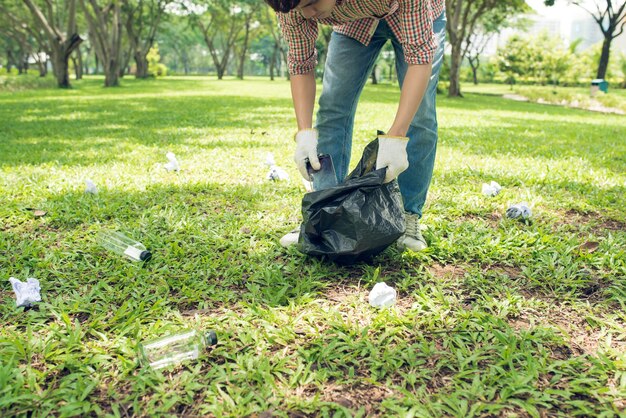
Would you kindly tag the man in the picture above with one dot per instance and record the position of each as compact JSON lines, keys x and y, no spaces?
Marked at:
{"x":416,"y":29}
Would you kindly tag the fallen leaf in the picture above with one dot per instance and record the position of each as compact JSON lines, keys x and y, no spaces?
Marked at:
{"x":39,"y":213}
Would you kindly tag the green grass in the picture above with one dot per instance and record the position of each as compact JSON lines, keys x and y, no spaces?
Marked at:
{"x":537,"y":320}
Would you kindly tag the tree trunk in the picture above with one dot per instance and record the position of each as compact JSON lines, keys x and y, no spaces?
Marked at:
{"x":9,"y":60}
{"x":455,"y":72}
{"x":604,"y":58}
{"x":244,"y":50}
{"x":61,"y":69}
{"x":141,"y":61}
{"x":474,"y":64}
{"x":220,"y":71}
{"x":43,"y":66}
{"x":374,"y":79}
{"x":273,"y":61}
{"x":79,"y":67}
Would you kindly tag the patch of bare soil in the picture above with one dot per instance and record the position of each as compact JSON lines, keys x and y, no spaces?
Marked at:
{"x":361,"y":394}
{"x":583,"y":338}
{"x":446,"y":272}
{"x":599,"y":223}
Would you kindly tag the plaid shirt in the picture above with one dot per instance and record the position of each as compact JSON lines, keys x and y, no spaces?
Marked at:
{"x":410,"y":20}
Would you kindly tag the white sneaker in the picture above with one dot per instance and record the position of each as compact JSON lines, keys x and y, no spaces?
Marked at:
{"x":412,"y":239}
{"x":291,"y":238}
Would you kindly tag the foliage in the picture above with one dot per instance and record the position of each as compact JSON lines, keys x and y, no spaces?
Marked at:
{"x":30,"y":81}
{"x":533,"y":315}
{"x":155,"y":67}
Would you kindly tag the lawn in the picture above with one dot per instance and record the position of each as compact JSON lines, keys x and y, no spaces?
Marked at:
{"x":496,"y":318}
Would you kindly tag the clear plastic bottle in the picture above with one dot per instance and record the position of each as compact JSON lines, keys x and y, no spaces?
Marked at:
{"x":123,"y":245}
{"x":173,"y":349}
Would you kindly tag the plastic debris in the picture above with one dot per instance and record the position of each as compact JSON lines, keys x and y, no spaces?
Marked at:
{"x":491,"y":189}
{"x":26,"y":292}
{"x":276,"y":173}
{"x":519,"y":211}
{"x":90,"y":187}
{"x":382,"y":296}
{"x":176,"y":348}
{"x":121,"y":244}
{"x":172,"y":164}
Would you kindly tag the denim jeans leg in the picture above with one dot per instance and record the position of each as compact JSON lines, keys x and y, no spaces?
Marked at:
{"x":422,"y":146}
{"x":348,"y":66}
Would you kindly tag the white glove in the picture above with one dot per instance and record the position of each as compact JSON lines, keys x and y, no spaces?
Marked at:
{"x":392,"y":154}
{"x":306,"y":149}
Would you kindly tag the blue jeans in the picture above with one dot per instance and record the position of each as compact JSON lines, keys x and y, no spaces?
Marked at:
{"x":348,"y":66}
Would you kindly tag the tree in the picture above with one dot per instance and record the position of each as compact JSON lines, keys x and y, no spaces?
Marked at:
{"x":105,"y":25}
{"x":489,"y":25}
{"x":57,"y":42}
{"x":142,"y":19}
{"x":178,"y":38}
{"x":611,"y":18}
{"x":249,"y":13}
{"x":268,"y":19}
{"x":463,"y":17}
{"x":515,"y":58}
{"x":16,"y":39}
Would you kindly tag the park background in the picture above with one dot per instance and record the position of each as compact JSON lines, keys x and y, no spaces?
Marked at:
{"x":496,"y":318}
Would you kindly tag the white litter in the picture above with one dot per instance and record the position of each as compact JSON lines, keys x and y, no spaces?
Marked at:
{"x":172,"y":164}
{"x":491,"y":189}
{"x":519,"y":211}
{"x":276,"y":173}
{"x":382,"y":296}
{"x":91,"y":187}
{"x":27,"y":292}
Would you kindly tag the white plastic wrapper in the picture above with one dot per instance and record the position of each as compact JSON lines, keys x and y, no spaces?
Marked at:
{"x":519,"y":211}
{"x":276,"y":173}
{"x":491,"y":189}
{"x":90,"y":187}
{"x":172,"y":162}
{"x":382,"y":296}
{"x":27,"y":292}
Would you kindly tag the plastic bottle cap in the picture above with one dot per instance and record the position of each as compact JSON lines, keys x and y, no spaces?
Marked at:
{"x":211,"y":338}
{"x":145,"y":255}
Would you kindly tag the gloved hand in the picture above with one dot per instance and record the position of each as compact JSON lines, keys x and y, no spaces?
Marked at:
{"x":306,"y":149}
{"x":392,"y":154}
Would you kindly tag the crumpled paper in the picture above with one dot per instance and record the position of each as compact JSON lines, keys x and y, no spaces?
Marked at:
{"x":172,"y":164}
{"x":276,"y":173}
{"x":26,"y":293}
{"x":382,"y":296}
{"x":90,"y":187}
{"x":491,"y":189}
{"x":519,"y":211}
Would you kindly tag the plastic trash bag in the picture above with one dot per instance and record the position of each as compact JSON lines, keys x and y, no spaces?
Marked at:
{"x":355,"y":220}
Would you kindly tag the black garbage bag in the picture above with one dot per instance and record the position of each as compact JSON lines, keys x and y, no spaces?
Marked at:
{"x":355,"y":220}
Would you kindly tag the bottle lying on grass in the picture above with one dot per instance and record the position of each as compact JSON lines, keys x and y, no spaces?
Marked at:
{"x":176,"y":348}
{"x":121,"y":244}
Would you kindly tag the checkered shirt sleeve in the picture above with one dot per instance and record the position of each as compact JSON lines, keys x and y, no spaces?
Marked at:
{"x":416,"y":26}
{"x":300,"y":35}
